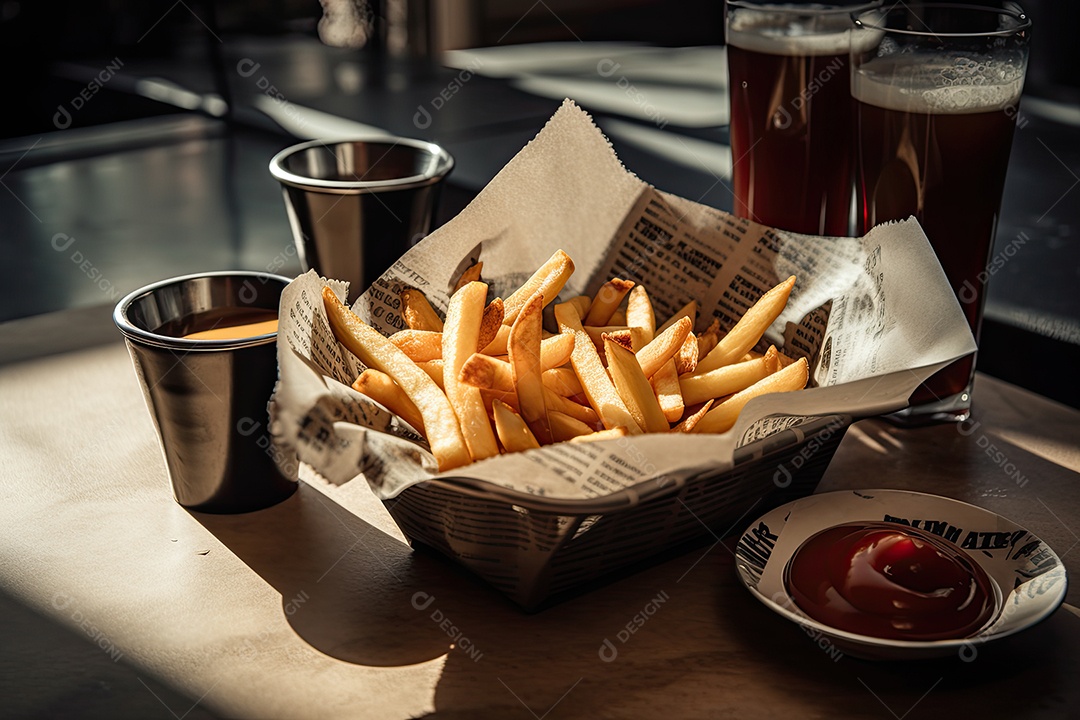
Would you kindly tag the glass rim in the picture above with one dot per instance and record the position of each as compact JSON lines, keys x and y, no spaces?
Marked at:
{"x":808,"y":10}
{"x":444,"y":163}
{"x":1023,"y":19}
{"x":149,"y":338}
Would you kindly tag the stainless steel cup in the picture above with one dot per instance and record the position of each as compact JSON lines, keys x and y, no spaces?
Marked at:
{"x":208,"y":398}
{"x":356,"y":206}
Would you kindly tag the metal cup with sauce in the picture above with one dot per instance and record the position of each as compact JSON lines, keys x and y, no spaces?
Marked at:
{"x":208,"y":397}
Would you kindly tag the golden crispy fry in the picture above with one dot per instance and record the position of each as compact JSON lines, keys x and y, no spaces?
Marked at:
{"x":620,"y":334}
{"x":749,"y":329}
{"x":490,"y":324}
{"x":723,"y":416}
{"x":514,"y":434}
{"x":419,"y":345}
{"x":434,"y":369}
{"x":547,"y":281}
{"x":497,"y":346}
{"x":590,"y":371}
{"x":665,"y":384}
{"x":471,"y":274}
{"x":488,"y":372}
{"x":609,"y":434}
{"x":640,"y":317}
{"x":524,"y":346}
{"x":688,"y":423}
{"x":638,"y":338}
{"x":417,"y":311}
{"x":581,"y":303}
{"x":686,"y":358}
{"x":555,"y":351}
{"x":366,"y":343}
{"x":597,"y":332}
{"x":511,"y":386}
{"x":464,"y":315}
{"x":689,"y":310}
{"x":622,"y":337}
{"x":707,"y":340}
{"x":723,"y":381}
{"x":607,"y":300}
{"x":564,"y":427}
{"x":663,"y":347}
{"x":576,"y":410}
{"x":634,"y":388}
{"x":507,"y":398}
{"x":379,"y":387}
{"x":563,"y":381}
{"x":772,"y":360}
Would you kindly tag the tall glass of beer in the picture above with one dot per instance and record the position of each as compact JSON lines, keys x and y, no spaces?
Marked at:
{"x":936,"y":89}
{"x":792,"y":122}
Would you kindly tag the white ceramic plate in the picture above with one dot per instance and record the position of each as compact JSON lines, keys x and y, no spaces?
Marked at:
{"x":1029,"y":575}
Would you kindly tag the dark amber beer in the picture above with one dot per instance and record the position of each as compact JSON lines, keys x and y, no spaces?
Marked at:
{"x":935,"y":130}
{"x":791,"y":115}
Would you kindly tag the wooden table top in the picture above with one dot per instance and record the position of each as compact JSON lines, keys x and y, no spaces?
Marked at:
{"x":117,"y":601}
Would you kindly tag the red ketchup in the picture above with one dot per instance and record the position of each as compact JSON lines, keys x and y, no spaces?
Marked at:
{"x":890,"y":581}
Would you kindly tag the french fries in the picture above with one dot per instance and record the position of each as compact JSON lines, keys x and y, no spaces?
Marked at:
{"x":564,"y":427}
{"x":488,"y":379}
{"x":514,"y":434}
{"x":524,"y":350}
{"x":726,"y":380}
{"x":607,"y":301}
{"x":464,"y":316}
{"x":471,"y":274}
{"x":687,"y":357}
{"x":419,"y":345}
{"x":749,"y":329}
{"x":665,"y":384}
{"x":547,"y":281}
{"x":664,"y":346}
{"x":590,"y":371}
{"x":609,"y":434}
{"x":723,"y":416}
{"x":417,"y":311}
{"x":634,"y":388}
{"x":487,"y":372}
{"x":365,"y":342}
{"x":640,"y":317}
{"x":379,"y":387}
{"x":691,"y":421}
{"x":562,"y":380}
{"x":707,"y":340}
{"x":490,"y":324}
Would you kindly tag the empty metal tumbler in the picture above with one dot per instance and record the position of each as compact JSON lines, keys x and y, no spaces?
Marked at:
{"x":208,"y":397}
{"x":356,"y":206}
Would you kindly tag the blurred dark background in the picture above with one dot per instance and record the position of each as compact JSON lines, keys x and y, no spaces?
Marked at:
{"x":44,"y":40}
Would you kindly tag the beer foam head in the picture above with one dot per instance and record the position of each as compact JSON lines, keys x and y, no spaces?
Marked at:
{"x":943,"y":85}
{"x":796,"y":34}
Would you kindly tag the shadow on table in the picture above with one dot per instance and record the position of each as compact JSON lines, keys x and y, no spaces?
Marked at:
{"x":682,"y":639}
{"x":347,"y":588}
{"x":1030,"y":675}
{"x":65,"y":667}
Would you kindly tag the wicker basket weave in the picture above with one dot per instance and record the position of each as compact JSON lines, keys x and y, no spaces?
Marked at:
{"x":536,"y":550}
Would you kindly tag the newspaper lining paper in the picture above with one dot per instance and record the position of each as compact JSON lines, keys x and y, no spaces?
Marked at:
{"x":874,"y":316}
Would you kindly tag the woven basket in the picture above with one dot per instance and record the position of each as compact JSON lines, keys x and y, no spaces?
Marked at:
{"x":539,"y":550}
